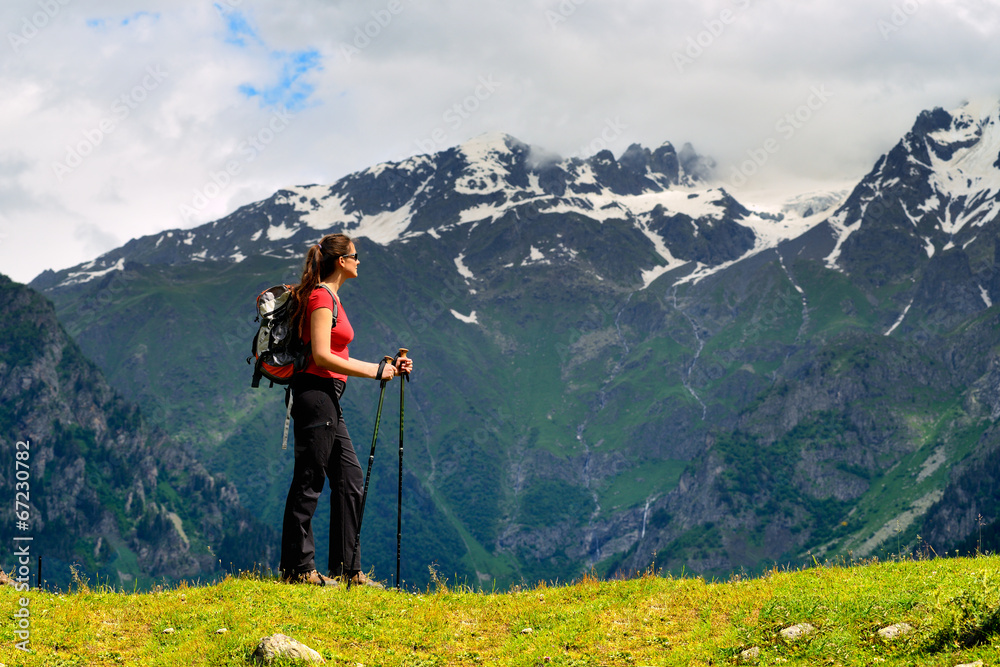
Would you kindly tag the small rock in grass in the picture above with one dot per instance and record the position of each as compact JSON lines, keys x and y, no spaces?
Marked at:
{"x":527,"y":631}
{"x":896,"y":630}
{"x":749,"y":656}
{"x":222,"y":631}
{"x":275,"y":646}
{"x":168,"y":631}
{"x":797,"y":631}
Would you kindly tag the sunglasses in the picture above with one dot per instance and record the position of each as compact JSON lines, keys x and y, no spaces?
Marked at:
{"x":353,"y":256}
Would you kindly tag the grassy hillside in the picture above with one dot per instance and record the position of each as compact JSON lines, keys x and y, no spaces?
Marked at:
{"x":952,"y":606}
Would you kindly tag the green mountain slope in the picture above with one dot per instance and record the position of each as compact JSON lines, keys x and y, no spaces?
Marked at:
{"x":100,"y":487}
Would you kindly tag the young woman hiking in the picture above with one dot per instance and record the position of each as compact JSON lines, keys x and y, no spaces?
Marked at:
{"x":323,"y":448}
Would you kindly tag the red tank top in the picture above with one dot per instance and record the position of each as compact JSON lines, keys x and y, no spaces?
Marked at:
{"x":340,"y":336}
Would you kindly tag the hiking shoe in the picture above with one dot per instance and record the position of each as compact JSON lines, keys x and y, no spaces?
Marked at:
{"x":311,"y":577}
{"x":361,"y":579}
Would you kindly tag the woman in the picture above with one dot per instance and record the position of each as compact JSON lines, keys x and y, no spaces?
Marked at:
{"x":323,"y":448}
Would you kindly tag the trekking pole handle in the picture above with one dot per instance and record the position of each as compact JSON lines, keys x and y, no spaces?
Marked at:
{"x":386,"y":361}
{"x":402,"y":355}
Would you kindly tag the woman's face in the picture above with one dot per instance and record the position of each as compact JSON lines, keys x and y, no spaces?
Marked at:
{"x":350,"y":264}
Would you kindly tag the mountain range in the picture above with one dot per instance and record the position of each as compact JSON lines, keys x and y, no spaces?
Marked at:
{"x":620,"y":362}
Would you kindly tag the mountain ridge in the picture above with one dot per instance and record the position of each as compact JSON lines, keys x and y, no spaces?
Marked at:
{"x":643,"y":184}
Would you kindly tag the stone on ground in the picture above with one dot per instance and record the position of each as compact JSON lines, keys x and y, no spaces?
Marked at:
{"x":276,"y":646}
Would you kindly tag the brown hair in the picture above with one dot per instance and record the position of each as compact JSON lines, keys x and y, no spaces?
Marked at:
{"x":321,"y":261}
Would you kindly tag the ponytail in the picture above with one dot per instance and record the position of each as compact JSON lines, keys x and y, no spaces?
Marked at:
{"x":320,"y":262}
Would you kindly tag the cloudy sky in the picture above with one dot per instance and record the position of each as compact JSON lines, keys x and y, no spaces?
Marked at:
{"x":124,"y":118}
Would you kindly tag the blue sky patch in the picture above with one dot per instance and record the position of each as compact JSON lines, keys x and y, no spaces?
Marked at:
{"x":291,"y":90}
{"x":141,"y":15}
{"x":238,"y":28}
{"x":289,"y":87}
{"x":103,"y":24}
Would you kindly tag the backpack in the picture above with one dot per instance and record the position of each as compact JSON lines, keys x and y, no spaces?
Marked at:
{"x":277,"y":348}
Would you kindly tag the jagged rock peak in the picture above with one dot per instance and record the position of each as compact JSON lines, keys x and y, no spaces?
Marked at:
{"x":491,"y":143}
{"x":949,"y":136}
{"x":687,"y":165}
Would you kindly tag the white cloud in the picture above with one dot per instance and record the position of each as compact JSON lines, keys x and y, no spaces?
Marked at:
{"x":372,"y":81}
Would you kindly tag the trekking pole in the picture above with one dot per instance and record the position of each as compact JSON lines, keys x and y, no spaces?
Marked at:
{"x":371,"y":459}
{"x":399,"y":505}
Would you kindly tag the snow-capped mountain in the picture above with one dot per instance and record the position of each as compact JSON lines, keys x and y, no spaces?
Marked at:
{"x":665,"y":195}
{"x":933,"y":191}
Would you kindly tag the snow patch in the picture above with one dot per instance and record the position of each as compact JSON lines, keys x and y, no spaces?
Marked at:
{"x":80,"y":277}
{"x":650,"y":275}
{"x":986,"y":297}
{"x":468,"y":319}
{"x":840,"y":232}
{"x":463,"y":270}
{"x":485,"y":174}
{"x":329,"y":213}
{"x":932,"y":204}
{"x":281,"y":232}
{"x":535,"y":256}
{"x":900,"y":320}
{"x":479,"y":212}
{"x":383,"y":228}
{"x":913,"y":219}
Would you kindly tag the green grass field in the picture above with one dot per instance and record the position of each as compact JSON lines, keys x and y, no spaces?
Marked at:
{"x":952,"y":606}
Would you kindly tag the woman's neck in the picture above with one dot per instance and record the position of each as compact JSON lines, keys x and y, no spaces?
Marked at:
{"x":335,"y":281}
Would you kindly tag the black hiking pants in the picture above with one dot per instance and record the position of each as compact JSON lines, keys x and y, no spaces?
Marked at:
{"x":323,"y":450}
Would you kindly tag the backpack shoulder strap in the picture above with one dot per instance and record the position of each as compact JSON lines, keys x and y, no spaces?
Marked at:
{"x":334,"y":297}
